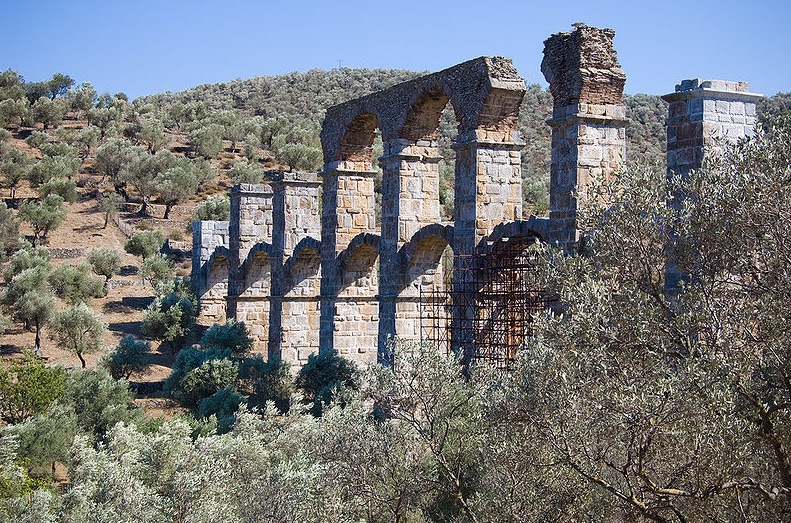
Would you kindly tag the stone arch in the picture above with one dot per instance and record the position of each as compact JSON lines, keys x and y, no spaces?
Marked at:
{"x":357,"y":142}
{"x":356,"y":308}
{"x":358,"y":262}
{"x":424,"y":262}
{"x":253,"y":306}
{"x":301,"y":287}
{"x":508,"y":291}
{"x":424,"y":250}
{"x":530,"y":230}
{"x":257,"y":274}
{"x":259,"y":253}
{"x":303,"y":265}
{"x":422,"y":118}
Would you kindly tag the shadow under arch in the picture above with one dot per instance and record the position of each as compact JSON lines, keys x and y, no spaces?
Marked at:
{"x":423,"y":251}
{"x":304,"y":263}
{"x":358,"y":258}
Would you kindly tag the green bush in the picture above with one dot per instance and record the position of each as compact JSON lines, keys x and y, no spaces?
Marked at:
{"x":130,"y":357}
{"x":156,"y":270}
{"x":207,"y":379}
{"x":29,"y":387}
{"x":170,"y":318}
{"x":99,"y":400}
{"x":45,"y":438}
{"x":213,"y":208}
{"x":76,"y":284}
{"x":223,"y":404}
{"x":105,"y":262}
{"x":231,"y":336}
{"x":267,"y":381}
{"x":145,"y":244}
{"x":186,"y":360}
{"x":323,"y":376}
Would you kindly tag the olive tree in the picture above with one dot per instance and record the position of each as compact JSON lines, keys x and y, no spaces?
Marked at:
{"x":105,"y":262}
{"x":79,"y":329}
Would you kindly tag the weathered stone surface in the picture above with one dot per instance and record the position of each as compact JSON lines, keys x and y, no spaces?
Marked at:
{"x":306,"y":276}
{"x":588,"y":122}
{"x":582,"y":66}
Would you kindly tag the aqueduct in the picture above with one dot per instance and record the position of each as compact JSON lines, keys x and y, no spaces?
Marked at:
{"x":306,"y":277}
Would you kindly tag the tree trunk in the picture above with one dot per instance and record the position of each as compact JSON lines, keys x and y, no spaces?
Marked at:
{"x":168,"y":206}
{"x":82,"y":360}
{"x":37,"y":346}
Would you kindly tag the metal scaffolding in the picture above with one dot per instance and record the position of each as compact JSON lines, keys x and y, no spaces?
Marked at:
{"x":487,"y":309}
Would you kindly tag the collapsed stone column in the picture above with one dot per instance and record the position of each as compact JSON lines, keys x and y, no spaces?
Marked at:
{"x":703,"y":115}
{"x":251,"y":231}
{"x":588,"y":122}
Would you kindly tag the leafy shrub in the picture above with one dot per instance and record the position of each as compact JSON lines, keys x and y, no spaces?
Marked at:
{"x":130,"y":357}
{"x":200,"y":374}
{"x":156,"y":270}
{"x":323,"y":376}
{"x":267,"y":381}
{"x":105,"y":262}
{"x":99,"y":401}
{"x":170,"y":318}
{"x":63,"y":187}
{"x":231,"y":336}
{"x":76,"y":284}
{"x":223,"y":404}
{"x":213,"y":208}
{"x":45,"y":438}
{"x":145,"y":244}
{"x":29,"y":387}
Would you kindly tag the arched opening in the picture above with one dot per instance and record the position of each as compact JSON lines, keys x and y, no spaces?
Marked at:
{"x":423,"y":307}
{"x":356,"y":144}
{"x":432,"y":124}
{"x":507,"y":296}
{"x":213,"y":300}
{"x":301,"y":310}
{"x":253,"y":304}
{"x":356,"y":312}
{"x":258,"y":275}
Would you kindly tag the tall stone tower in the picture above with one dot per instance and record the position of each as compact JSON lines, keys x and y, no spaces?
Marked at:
{"x":588,"y":121}
{"x":703,"y":115}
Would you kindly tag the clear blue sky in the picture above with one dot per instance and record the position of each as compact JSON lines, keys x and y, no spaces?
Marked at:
{"x":150,"y":46}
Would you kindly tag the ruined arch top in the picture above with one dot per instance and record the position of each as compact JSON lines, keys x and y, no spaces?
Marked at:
{"x":485,"y":94}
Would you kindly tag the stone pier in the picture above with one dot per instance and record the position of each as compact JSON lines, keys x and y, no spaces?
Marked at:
{"x":588,"y":122}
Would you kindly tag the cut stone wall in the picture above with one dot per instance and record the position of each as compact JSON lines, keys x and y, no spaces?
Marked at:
{"x":210,"y":241}
{"x":703,"y":116}
{"x":307,"y":277}
{"x":588,"y":122}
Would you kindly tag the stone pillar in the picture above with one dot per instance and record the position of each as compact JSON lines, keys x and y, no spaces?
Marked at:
{"x":588,"y":122}
{"x":488,"y":192}
{"x":294,"y":312}
{"x":207,"y":236}
{"x":250,"y":285}
{"x":348,"y":210}
{"x":410,"y":201}
{"x":703,"y":115}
